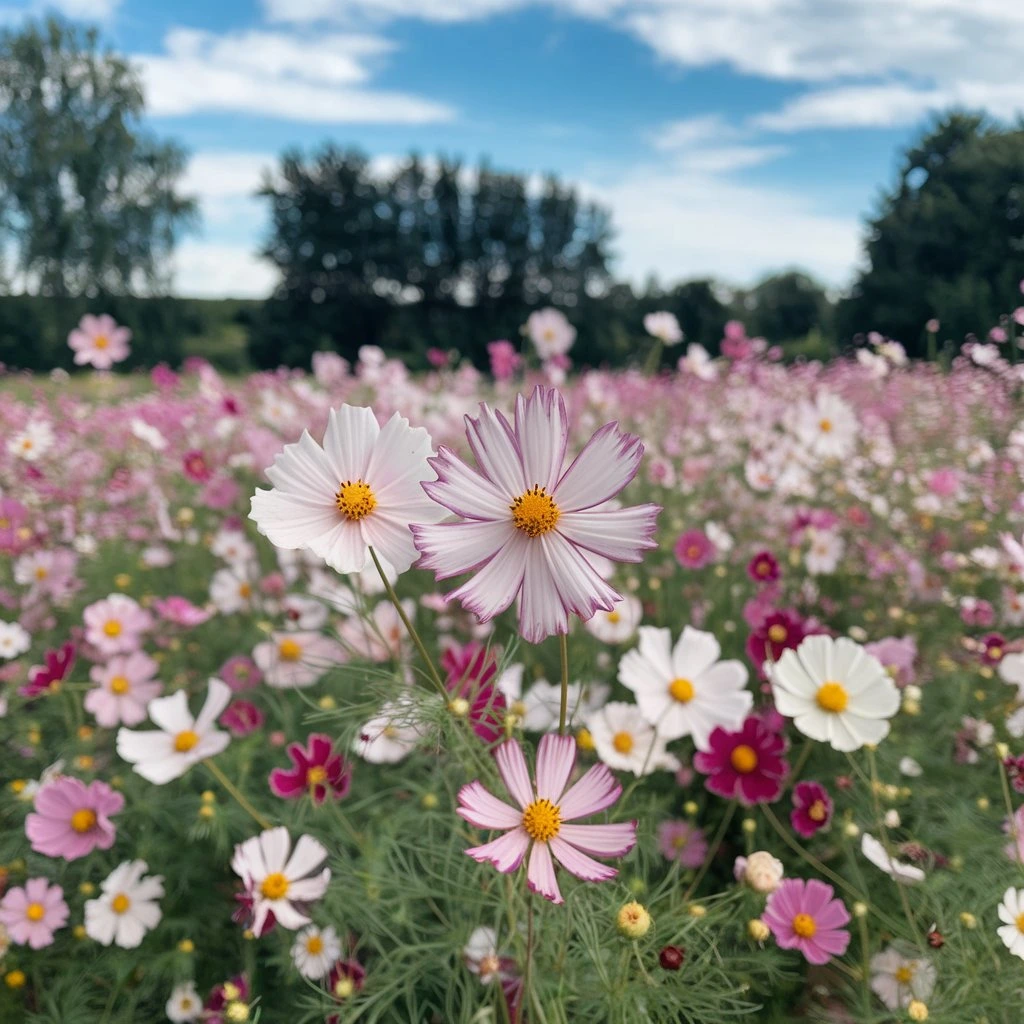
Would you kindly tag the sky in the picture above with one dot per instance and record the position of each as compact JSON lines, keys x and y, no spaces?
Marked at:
{"x":729,"y":138}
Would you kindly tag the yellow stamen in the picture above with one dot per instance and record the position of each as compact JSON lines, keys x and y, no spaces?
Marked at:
{"x":817,"y":811}
{"x":314,"y":944}
{"x":542,"y":820}
{"x":289,"y":650}
{"x":112,"y":627}
{"x":119,"y":685}
{"x":83,"y":819}
{"x":804,"y":926}
{"x":101,"y":341}
{"x":681,"y":690}
{"x":832,"y":697}
{"x":613,"y":617}
{"x":905,"y":974}
{"x":623,"y":742}
{"x":777,"y":633}
{"x":535,"y":512}
{"x":825,"y":425}
{"x":274,"y":886}
{"x":35,"y":911}
{"x":355,"y":500}
{"x":316,"y":776}
{"x":120,"y":903}
{"x":185,"y":741}
{"x":1020,"y":923}
{"x":743,"y":759}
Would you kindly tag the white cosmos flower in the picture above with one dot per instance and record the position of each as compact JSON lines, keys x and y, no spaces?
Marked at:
{"x":626,"y":741}
{"x":698,"y":362}
{"x":824,"y":553}
{"x":184,"y":1006}
{"x":540,"y":707}
{"x":231,"y":590}
{"x":31,"y":443}
{"x":685,"y":690}
{"x":360,"y":490}
{"x":835,"y":692}
{"x":181,"y":741}
{"x":664,"y":326}
{"x":1011,"y":913}
{"x":618,"y":625}
{"x":827,"y":426}
{"x":127,"y":906}
{"x":391,"y":736}
{"x":906,"y":874}
{"x":315,"y":951}
{"x":1011,"y":670}
{"x":280,"y":881}
{"x":14,"y":640}
{"x":897,"y":977}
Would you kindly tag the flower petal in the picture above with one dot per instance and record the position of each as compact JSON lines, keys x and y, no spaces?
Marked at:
{"x":579,"y":864}
{"x":596,"y":791}
{"x":483,"y":810}
{"x":540,"y":874}
{"x":506,"y":852}
{"x":621,"y":534}
{"x":556,"y":756}
{"x":514,"y":773}
{"x":608,"y":461}
{"x":614,"y":840}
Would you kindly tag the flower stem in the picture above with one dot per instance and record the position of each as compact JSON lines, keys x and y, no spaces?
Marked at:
{"x":563,"y":646}
{"x":529,"y":959}
{"x":712,"y":851}
{"x":1008,"y":800}
{"x":409,"y":628}
{"x":243,"y":801}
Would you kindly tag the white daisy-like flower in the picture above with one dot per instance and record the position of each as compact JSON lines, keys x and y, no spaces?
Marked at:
{"x":181,"y":740}
{"x":315,"y":950}
{"x":33,"y":442}
{"x":391,"y":736}
{"x":825,"y":551}
{"x":618,"y":625}
{"x":827,"y":426}
{"x":14,"y":640}
{"x":698,"y":362}
{"x":233,"y":547}
{"x":184,"y":1006}
{"x":897,"y":870}
{"x":835,"y":692}
{"x":897,"y":977}
{"x":626,"y":741}
{"x":1011,"y":913}
{"x":480,"y":955}
{"x":1011,"y":670}
{"x":127,"y":906}
{"x":147,"y":433}
{"x":231,"y":590}
{"x":360,"y":490}
{"x":664,"y":326}
{"x":279,"y":880}
{"x":540,"y":707}
{"x":685,"y":690}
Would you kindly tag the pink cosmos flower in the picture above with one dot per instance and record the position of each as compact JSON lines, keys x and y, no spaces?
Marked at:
{"x":505,"y":360}
{"x":98,"y":341}
{"x":694,"y":550}
{"x":47,"y":678}
{"x":897,"y":655}
{"x":296,"y":659}
{"x":115,"y":625}
{"x":472,"y":675}
{"x":181,"y":611}
{"x":807,"y":916}
{"x":746,"y":765}
{"x":72,"y":819}
{"x":541,"y":816}
{"x":14,"y":529}
{"x":317,"y":770}
{"x":124,"y":687}
{"x":812,"y":808}
{"x":196,"y":467}
{"x":240,"y":673}
{"x":682,"y":841}
{"x":241,"y":718}
{"x":527,"y":528}
{"x":32,"y":914}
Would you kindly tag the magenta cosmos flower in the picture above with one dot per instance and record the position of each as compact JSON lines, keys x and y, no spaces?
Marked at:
{"x":46,"y":678}
{"x":695,"y":549}
{"x":542,"y":815}
{"x":32,"y":914}
{"x":115,"y":625}
{"x":746,"y":765}
{"x":807,"y":916}
{"x":99,"y":341}
{"x":72,"y":819}
{"x":316,"y":770}
{"x":471,"y":675}
{"x":812,"y":808}
{"x":528,"y":528}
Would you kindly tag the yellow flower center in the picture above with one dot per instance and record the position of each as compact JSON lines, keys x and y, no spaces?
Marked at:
{"x":35,"y":911}
{"x":777,"y":633}
{"x":817,"y":811}
{"x":832,"y":697}
{"x":681,"y":690}
{"x":623,"y":742}
{"x":1020,"y":923}
{"x":316,"y":776}
{"x":101,"y":341}
{"x":41,"y":572}
{"x":355,"y":500}
{"x":185,"y":741}
{"x":120,"y":903}
{"x":489,"y":965}
{"x":584,"y":740}
{"x":274,"y":886}
{"x":825,"y":425}
{"x":112,"y":627}
{"x":244,"y":591}
{"x":995,"y":653}
{"x":535,"y":512}
{"x":120,"y":684}
{"x":5,"y":523}
{"x":743,"y":759}
{"x":83,"y":819}
{"x":542,"y":820}
{"x":678,"y":842}
{"x":344,"y":987}
{"x":289,"y":650}
{"x":804,"y":926}
{"x":905,"y":974}
{"x":613,"y":617}
{"x":314,"y":944}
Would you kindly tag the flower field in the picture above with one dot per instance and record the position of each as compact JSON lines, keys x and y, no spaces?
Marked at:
{"x":528,"y":696}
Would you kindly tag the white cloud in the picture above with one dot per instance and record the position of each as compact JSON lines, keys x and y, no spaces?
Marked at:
{"x":212,"y":270}
{"x":86,"y":10}
{"x":226,"y":175}
{"x":710,"y":145}
{"x":310,"y":77}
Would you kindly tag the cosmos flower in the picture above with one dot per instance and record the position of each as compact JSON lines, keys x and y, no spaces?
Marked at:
{"x":618,"y":625}
{"x":812,"y":808}
{"x":551,"y":333}
{"x":14,"y":640}
{"x":115,"y":625}
{"x":764,"y":568}
{"x":124,"y":688}
{"x":33,"y":912}
{"x":1011,"y":913}
{"x":835,"y":692}
{"x":625,"y":740}
{"x":874,"y":851}
{"x":471,"y":676}
{"x":682,"y":841}
{"x":47,"y":678}
{"x":391,"y":735}
{"x":72,"y":819}
{"x":315,"y":950}
{"x":805,"y":915}
{"x":898,"y":976}
{"x":99,"y":341}
{"x":184,"y":1004}
{"x":316,"y":770}
{"x":296,"y":659}
{"x":127,"y":907}
{"x":684,"y":689}
{"x":527,"y":528}
{"x":360,"y":490}
{"x":663,"y":326}
{"x":540,"y":823}
{"x":694,"y":550}
{"x":745,"y":765}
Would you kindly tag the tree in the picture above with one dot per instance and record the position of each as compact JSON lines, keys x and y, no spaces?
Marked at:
{"x":89,"y":199}
{"x":430,"y":254}
{"x":786,"y":306}
{"x":948,"y":240}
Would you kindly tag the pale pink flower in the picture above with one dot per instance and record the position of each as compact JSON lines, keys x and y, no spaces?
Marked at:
{"x":31,"y":914}
{"x":115,"y":625}
{"x":529,"y":529}
{"x":72,"y":819}
{"x":124,"y":687}
{"x":99,"y":341}
{"x":181,"y":611}
{"x":541,"y":818}
{"x":296,"y":659}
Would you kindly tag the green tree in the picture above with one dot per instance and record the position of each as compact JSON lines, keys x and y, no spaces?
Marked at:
{"x":785,"y":307}
{"x":89,"y":199}
{"x":948,"y":240}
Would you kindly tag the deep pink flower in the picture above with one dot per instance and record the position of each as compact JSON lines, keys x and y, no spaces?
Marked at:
{"x":181,"y":611}
{"x":993,"y":647}
{"x":47,"y":678}
{"x":240,"y":673}
{"x":682,"y":841}
{"x":163,"y":377}
{"x":779,"y":631}
{"x":746,"y":765}
{"x":763,"y":568}
{"x":32,"y":914}
{"x":505,"y":360}
{"x":242,"y":717}
{"x":317,"y":770}
{"x":695,"y":549}
{"x":234,"y":990}
{"x":976,"y":611}
{"x":807,"y":916}
{"x":540,"y":820}
{"x":812,"y":808}
{"x":471,"y":674}
{"x":437,"y":357}
{"x":196,"y":467}
{"x":72,"y":819}
{"x":944,"y":482}
{"x":346,"y":977}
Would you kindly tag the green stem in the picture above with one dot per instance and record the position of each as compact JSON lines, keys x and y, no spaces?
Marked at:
{"x":563,"y":647}
{"x":1008,"y":800}
{"x":409,"y":628}
{"x":712,"y":851}
{"x":525,"y":995}
{"x":242,"y":800}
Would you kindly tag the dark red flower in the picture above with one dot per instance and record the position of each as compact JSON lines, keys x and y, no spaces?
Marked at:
{"x":671,"y":958}
{"x":235,"y":990}
{"x":763,"y":568}
{"x":746,"y":765}
{"x":196,"y":467}
{"x":993,"y":647}
{"x":812,"y":808}
{"x":46,"y":678}
{"x":346,"y":978}
{"x":318,"y":771}
{"x":242,"y":717}
{"x":779,"y":631}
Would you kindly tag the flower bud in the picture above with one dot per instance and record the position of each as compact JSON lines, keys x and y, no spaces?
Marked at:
{"x":633,"y":920}
{"x":757,"y":930}
{"x":917,"y":1010}
{"x":671,"y":958}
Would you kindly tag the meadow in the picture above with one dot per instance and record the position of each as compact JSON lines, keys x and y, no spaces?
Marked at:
{"x":348,"y":694}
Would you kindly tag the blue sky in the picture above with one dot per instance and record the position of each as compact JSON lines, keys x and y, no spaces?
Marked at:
{"x":729,"y":137}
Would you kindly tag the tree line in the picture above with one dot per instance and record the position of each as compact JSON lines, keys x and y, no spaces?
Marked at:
{"x":436,"y":253}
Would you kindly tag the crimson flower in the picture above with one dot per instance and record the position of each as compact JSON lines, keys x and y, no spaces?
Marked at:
{"x":317,"y":770}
